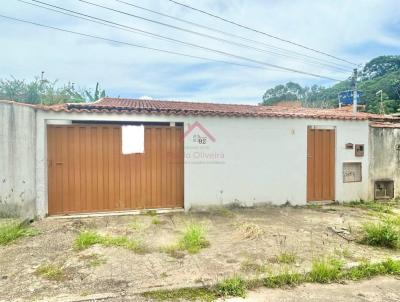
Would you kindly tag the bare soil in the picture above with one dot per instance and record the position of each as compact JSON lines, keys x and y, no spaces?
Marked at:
{"x":241,"y":241}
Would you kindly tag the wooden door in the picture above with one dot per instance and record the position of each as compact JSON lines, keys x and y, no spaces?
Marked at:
{"x":87,"y":171}
{"x":320,"y":164}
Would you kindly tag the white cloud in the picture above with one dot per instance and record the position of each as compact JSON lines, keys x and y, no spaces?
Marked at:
{"x":338,"y":27}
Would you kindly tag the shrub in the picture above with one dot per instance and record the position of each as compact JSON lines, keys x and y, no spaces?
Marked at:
{"x":325,"y":270}
{"x":235,"y":287}
{"x":384,"y":234}
{"x":193,"y":239}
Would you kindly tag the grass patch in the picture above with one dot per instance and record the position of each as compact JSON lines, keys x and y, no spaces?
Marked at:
{"x":343,"y":253}
{"x":155,"y":221}
{"x":284,"y":279}
{"x":88,"y":238}
{"x":375,"y":206}
{"x":188,"y":294}
{"x":220,"y":211}
{"x":286,"y":257}
{"x":151,"y":213}
{"x":251,"y":266}
{"x":384,"y":233}
{"x":135,"y":225}
{"x":193,"y":239}
{"x":235,"y":287}
{"x":173,"y":250}
{"x":325,"y":270}
{"x":11,"y":231}
{"x":51,"y":272}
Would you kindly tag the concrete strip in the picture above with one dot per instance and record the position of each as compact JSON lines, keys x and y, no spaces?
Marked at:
{"x":115,"y":213}
{"x":74,"y":298}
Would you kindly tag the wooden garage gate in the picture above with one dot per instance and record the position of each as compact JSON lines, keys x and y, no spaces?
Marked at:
{"x":87,"y":171}
{"x":320,"y":164}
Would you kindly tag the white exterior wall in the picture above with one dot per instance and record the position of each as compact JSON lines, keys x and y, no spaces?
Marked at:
{"x":17,"y":160}
{"x":256,"y":160}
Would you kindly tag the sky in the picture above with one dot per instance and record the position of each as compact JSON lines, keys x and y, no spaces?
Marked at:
{"x":354,"y":30}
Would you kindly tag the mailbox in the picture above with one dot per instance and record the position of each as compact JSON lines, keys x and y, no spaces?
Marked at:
{"x":359,"y":150}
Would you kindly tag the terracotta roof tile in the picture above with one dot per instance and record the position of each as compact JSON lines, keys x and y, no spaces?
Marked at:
{"x":118,"y":105}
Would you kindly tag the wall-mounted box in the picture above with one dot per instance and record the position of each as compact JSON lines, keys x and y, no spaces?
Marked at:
{"x":359,"y":150}
{"x":384,"y":189}
{"x":352,"y":172}
{"x":349,"y":146}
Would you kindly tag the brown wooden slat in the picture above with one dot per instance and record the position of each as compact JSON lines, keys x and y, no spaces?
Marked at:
{"x":87,"y":171}
{"x":320,"y":164}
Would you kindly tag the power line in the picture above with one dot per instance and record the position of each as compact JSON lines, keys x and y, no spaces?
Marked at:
{"x":262,"y":32}
{"x":91,"y":20}
{"x":127,"y":43}
{"x":220,"y":52}
{"x":179,"y":28}
{"x":298,"y":56}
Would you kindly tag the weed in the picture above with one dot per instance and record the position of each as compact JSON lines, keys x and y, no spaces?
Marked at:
{"x":314,"y":206}
{"x":284,"y":279}
{"x":188,"y":294}
{"x":343,"y":253}
{"x":250,"y":230}
{"x":50,"y":272}
{"x":235,"y":287}
{"x":286,"y":257}
{"x":151,"y":213}
{"x":383,"y":233}
{"x":11,"y":231}
{"x":220,"y":211}
{"x":325,"y":270}
{"x":193,"y":239}
{"x":155,"y":221}
{"x":135,"y":225}
{"x":88,"y":238}
{"x":250,"y":266}
{"x":371,"y":205}
{"x":97,"y":260}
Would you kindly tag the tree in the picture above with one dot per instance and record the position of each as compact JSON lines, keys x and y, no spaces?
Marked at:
{"x":97,"y":94}
{"x":380,"y":66}
{"x":46,"y":92}
{"x":381,"y":73}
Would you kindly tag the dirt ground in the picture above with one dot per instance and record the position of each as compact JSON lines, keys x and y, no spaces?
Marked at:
{"x":240,"y":239}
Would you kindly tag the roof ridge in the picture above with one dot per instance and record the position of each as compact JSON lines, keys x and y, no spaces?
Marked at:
{"x":177,"y":101}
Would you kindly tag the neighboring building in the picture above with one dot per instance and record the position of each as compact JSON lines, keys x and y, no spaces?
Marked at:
{"x":67,"y":158}
{"x":384,"y":160}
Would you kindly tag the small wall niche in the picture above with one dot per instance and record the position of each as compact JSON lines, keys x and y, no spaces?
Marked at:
{"x":384,"y":189}
{"x":352,"y":172}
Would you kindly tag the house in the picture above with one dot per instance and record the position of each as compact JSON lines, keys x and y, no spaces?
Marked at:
{"x":67,"y":158}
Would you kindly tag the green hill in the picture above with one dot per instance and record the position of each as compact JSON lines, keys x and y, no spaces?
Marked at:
{"x":381,"y":73}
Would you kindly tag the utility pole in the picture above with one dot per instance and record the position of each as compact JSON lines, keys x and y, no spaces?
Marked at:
{"x":41,"y":86}
{"x":381,"y":108}
{"x":355,"y":72}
